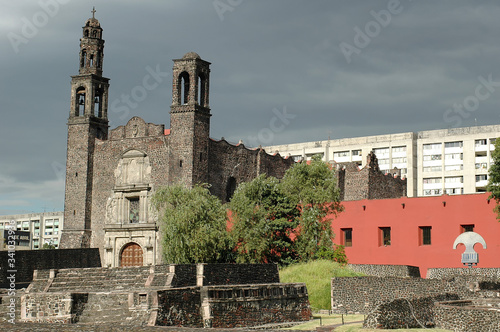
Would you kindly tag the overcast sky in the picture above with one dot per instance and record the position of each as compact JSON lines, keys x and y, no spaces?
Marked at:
{"x":283,"y":71}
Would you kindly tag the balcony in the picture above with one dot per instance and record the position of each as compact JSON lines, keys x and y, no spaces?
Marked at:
{"x":481,"y":183}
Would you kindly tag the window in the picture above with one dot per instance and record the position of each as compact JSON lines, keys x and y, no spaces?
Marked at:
{"x":399,"y":160}
{"x":466,"y":228}
{"x":454,"y":156}
{"x":399,"y":149}
{"x":432,"y":157}
{"x":425,"y":235}
{"x":454,"y":179}
{"x":432,"y":169}
{"x":454,"y":167}
{"x":481,"y":166}
{"x":384,"y":236}
{"x":432,"y":192}
{"x":454,"y":191}
{"x":341,"y":154}
{"x":432,"y":180}
{"x":381,"y":151}
{"x":434,"y":146}
{"x":347,"y":237}
{"x":457,"y":144}
{"x":481,"y":177}
{"x":356,"y":153}
{"x":134,"y":209}
{"x":480,"y":142}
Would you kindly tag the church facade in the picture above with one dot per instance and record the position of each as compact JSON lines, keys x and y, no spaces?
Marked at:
{"x":112,"y":174}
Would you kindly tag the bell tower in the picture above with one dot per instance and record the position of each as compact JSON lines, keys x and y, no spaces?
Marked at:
{"x":190,"y":120}
{"x":88,"y":121}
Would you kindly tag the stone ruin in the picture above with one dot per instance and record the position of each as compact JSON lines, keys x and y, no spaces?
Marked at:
{"x":201,"y":295}
{"x":458,"y":299}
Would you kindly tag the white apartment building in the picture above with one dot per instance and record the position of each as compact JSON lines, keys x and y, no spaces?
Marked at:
{"x":43,"y":227}
{"x":434,"y":162}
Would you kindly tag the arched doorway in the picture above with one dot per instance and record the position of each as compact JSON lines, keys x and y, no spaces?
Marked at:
{"x":131,"y":255}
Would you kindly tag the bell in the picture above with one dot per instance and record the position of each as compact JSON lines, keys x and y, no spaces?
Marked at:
{"x":81,"y":101}
{"x":96,"y":100}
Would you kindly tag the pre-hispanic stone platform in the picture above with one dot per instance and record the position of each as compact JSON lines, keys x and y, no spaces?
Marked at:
{"x":202,"y":295}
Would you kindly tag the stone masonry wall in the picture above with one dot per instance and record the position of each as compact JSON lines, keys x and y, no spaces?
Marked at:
{"x":233,"y":306}
{"x":368,"y":182}
{"x":47,"y":308}
{"x":228,"y":274}
{"x":386,"y":270}
{"x":404,"y":313}
{"x":185,"y":275}
{"x":363,"y":294}
{"x":460,"y":316}
{"x":107,"y":156}
{"x":29,"y":260}
{"x":236,"y":161}
{"x":385,"y":186}
{"x":253,"y":305}
{"x":179,"y":307}
{"x":441,"y":273}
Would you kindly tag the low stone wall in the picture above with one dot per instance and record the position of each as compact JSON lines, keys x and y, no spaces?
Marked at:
{"x":462,"y":316}
{"x":29,"y":260}
{"x":404,"y":313}
{"x":180,"y":307}
{"x":386,"y":270}
{"x":47,"y":308}
{"x":233,"y":306}
{"x":185,"y":275}
{"x":243,"y":306}
{"x":363,"y":294}
{"x":10,"y":305}
{"x":240,"y":274}
{"x":443,"y":273}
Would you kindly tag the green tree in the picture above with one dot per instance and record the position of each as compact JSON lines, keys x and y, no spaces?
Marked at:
{"x":48,"y":246}
{"x":193,"y":225}
{"x":494,"y":177}
{"x":264,"y":219}
{"x":313,"y":187}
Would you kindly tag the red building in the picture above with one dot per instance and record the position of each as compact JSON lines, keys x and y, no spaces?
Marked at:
{"x":417,"y":231}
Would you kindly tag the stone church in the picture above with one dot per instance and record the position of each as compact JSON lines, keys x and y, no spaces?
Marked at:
{"x":112,"y":174}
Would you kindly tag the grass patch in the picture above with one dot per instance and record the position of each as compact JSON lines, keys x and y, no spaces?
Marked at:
{"x":317,"y":275}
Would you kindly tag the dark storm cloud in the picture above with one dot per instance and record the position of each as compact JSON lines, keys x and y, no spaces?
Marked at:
{"x":267,"y":56}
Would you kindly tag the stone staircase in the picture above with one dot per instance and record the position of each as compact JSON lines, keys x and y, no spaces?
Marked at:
{"x":106,"y":308}
{"x":122,"y":295}
{"x":40,"y":281}
{"x":100,"y":279}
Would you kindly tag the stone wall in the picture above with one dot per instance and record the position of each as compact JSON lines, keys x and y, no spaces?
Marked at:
{"x":404,"y":313}
{"x":441,"y":273}
{"x":463,"y":316}
{"x":180,"y":307}
{"x":233,"y":306}
{"x":253,"y":305}
{"x":227,"y":161}
{"x":185,"y":275}
{"x":377,"y":270}
{"x":368,"y":182}
{"x":10,"y":305}
{"x":47,"y":308}
{"x":363,"y":294}
{"x":29,"y":260}
{"x":239,"y":274}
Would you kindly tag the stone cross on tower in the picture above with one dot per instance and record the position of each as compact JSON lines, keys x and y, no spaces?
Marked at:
{"x":93,"y":12}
